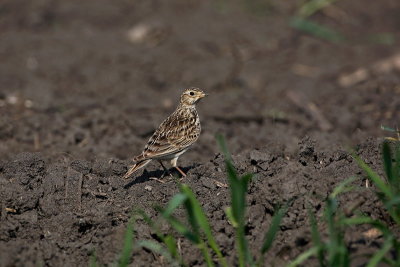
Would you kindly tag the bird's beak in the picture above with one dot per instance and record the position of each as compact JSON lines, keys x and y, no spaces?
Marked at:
{"x":203,"y":95}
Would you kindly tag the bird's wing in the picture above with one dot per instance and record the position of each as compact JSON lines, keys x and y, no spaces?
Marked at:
{"x":175,"y":134}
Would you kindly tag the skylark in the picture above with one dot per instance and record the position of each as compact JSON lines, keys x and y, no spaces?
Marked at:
{"x":174,"y":136}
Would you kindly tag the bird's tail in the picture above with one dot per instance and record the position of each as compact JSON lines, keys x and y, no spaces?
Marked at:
{"x":136,"y":166}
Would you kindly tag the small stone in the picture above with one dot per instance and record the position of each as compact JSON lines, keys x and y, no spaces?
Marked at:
{"x":28,"y":103}
{"x":12,"y":99}
{"x":307,"y":147}
{"x":81,"y":166}
{"x":150,"y":33}
{"x":258,"y":156}
{"x":148,"y":188}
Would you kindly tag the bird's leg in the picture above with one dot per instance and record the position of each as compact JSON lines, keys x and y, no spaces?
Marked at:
{"x":162,"y":176}
{"x":175,"y":165}
{"x":180,"y":171}
{"x":156,"y":179}
{"x":166,"y":171}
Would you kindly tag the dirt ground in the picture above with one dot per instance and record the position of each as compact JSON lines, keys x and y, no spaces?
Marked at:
{"x":83,"y":84}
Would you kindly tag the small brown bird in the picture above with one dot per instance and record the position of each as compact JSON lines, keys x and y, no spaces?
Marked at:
{"x":174,"y":136}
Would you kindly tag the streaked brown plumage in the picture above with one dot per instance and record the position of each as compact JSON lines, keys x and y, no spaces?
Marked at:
{"x":175,"y":135}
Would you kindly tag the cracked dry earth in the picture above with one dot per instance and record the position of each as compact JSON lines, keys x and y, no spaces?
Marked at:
{"x":58,"y":210}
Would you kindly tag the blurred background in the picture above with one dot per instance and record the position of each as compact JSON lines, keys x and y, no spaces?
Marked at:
{"x":95,"y":78}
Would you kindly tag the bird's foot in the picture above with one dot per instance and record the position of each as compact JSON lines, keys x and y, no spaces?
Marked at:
{"x":180,"y":171}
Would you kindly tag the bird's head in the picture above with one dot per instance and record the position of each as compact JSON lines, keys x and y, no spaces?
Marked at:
{"x":191,"y":96}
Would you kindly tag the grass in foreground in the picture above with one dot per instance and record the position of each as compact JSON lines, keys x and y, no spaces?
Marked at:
{"x":333,"y":251}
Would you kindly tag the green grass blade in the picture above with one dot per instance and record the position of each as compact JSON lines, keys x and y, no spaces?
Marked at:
{"x":273,"y":229}
{"x":231,"y":219}
{"x":183,"y":230}
{"x":128,"y":245}
{"x":358,"y":220}
{"x":333,"y":243}
{"x":271,"y":233}
{"x":170,"y":242}
{"x":174,"y":203}
{"x":316,"y":29}
{"x":201,"y":221}
{"x":192,"y":216}
{"x":238,"y":191}
{"x":343,"y":187}
{"x":316,"y":238}
{"x":222,"y":146}
{"x":390,"y":262}
{"x":393,"y":203}
{"x":389,"y":190}
{"x":242,"y":247}
{"x":387,"y":162}
{"x":206,"y":254}
{"x":158,"y":249}
{"x":378,"y":256}
{"x":145,"y":217}
{"x":385,"y":128}
{"x":383,"y":38}
{"x":396,"y":171}
{"x":93,"y":260}
{"x":303,"y":256}
{"x":238,"y":188}
{"x":313,"y":6}
{"x":382,"y":186}
{"x":337,"y":251}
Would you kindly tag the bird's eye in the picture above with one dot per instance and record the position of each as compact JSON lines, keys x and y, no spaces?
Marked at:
{"x":191,"y":93}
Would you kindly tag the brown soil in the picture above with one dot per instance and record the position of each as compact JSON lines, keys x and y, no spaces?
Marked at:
{"x":78,"y":99}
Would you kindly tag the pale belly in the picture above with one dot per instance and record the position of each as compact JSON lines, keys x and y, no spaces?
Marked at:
{"x":171,"y":156}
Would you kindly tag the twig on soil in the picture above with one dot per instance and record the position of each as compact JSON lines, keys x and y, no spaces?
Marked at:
{"x":310,"y":108}
{"x":372,"y":233}
{"x":338,"y":14}
{"x":158,"y":180}
{"x":383,"y":66}
{"x":36,"y":141}
{"x":84,"y":142}
{"x":220,"y":184}
{"x":179,"y":247}
{"x":11,"y":210}
{"x":304,"y":70}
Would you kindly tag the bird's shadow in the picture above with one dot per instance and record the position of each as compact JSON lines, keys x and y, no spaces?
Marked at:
{"x":146,"y":175}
